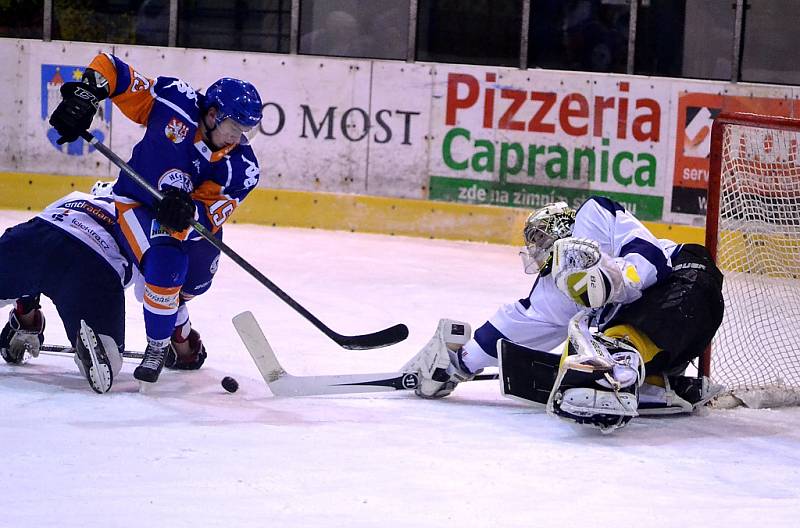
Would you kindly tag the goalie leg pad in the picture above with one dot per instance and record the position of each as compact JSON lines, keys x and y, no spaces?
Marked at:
{"x":598,"y":380}
{"x":607,"y":410}
{"x":438,"y":363}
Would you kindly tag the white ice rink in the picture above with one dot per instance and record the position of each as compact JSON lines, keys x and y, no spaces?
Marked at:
{"x":190,"y":454}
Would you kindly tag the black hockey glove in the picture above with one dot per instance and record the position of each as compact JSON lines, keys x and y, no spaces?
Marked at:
{"x":75,"y":112}
{"x":176,"y":210}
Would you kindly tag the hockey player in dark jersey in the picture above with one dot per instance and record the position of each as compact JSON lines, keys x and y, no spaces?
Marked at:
{"x":69,"y":252}
{"x":195,"y":151}
{"x":635,"y":310}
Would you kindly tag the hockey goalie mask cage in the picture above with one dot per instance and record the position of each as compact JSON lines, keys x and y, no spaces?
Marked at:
{"x":542,"y":228}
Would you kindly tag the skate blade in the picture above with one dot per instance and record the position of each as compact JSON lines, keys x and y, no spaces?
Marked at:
{"x":145,"y":387}
{"x":99,"y":374}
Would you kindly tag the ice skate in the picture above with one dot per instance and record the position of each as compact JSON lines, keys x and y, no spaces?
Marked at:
{"x":97,"y":358}
{"x":152,"y":364}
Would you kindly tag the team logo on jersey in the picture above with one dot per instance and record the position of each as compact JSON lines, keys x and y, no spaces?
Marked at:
{"x":176,"y":178}
{"x":176,"y":130}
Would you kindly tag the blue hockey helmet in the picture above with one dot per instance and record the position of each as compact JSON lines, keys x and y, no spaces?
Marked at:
{"x":235,"y":99}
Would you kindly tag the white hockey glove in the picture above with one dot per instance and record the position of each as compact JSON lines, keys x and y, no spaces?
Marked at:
{"x":598,"y":382}
{"x":584,"y":273}
{"x":438,"y":364}
{"x":103,"y":188}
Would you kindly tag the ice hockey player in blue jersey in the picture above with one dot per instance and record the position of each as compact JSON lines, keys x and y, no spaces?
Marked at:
{"x":196,"y":152}
{"x":69,"y":253}
{"x":635,"y":311}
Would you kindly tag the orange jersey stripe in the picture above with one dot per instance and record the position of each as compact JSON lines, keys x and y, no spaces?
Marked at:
{"x":106,"y":67}
{"x":126,"y":229}
{"x":136,"y":101}
{"x":165,"y":291}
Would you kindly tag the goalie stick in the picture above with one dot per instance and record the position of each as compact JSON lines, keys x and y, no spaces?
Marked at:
{"x":381,"y":338}
{"x":281,"y":383}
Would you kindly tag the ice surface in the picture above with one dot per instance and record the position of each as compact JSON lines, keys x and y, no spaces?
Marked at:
{"x":190,"y":454}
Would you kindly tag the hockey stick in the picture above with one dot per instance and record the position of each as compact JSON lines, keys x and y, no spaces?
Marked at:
{"x":382,"y":338}
{"x":281,"y":383}
{"x":68,"y":350}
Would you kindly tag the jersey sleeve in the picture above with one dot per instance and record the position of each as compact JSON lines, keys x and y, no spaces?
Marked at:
{"x":634,"y":249}
{"x":217,"y":199}
{"x":130,"y":91}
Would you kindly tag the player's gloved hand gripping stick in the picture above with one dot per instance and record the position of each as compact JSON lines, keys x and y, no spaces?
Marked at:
{"x":382,"y":338}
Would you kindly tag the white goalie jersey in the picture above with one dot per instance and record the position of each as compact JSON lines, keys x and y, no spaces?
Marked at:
{"x":540,"y":320}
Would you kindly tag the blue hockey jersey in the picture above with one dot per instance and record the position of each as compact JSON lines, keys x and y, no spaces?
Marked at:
{"x":172,"y":151}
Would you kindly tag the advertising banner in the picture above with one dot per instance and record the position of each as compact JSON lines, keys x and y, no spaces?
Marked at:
{"x":452,"y":133}
{"x":695,"y":113}
{"x":525,"y":138}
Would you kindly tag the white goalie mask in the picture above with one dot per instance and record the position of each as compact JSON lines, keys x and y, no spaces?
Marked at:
{"x":542,"y":228}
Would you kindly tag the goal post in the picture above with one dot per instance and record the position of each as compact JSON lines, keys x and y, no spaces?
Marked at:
{"x":753,"y":233}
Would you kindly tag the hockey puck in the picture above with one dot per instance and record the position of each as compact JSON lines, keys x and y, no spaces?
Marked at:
{"x":230,"y":384}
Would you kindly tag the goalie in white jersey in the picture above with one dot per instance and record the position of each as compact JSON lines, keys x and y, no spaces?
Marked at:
{"x":652,"y":306}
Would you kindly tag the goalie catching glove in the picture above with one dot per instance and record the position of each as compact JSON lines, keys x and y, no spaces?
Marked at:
{"x":585,"y":274}
{"x":439,"y":364}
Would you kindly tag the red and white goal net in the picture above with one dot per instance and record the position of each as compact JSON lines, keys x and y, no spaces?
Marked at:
{"x":753,"y":230}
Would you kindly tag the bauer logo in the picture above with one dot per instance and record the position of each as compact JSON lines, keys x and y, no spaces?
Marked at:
{"x":53,"y":78}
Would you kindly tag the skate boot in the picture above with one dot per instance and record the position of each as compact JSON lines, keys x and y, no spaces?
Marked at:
{"x":97,"y":357}
{"x":152,"y":363}
{"x":696,"y":391}
{"x":18,"y":337}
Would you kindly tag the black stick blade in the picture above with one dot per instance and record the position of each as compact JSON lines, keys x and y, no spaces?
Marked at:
{"x":383,"y":338}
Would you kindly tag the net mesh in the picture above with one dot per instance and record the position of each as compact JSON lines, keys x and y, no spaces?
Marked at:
{"x":757,"y":348}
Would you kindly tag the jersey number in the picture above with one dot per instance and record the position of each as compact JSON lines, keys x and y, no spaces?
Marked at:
{"x":220,"y":210}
